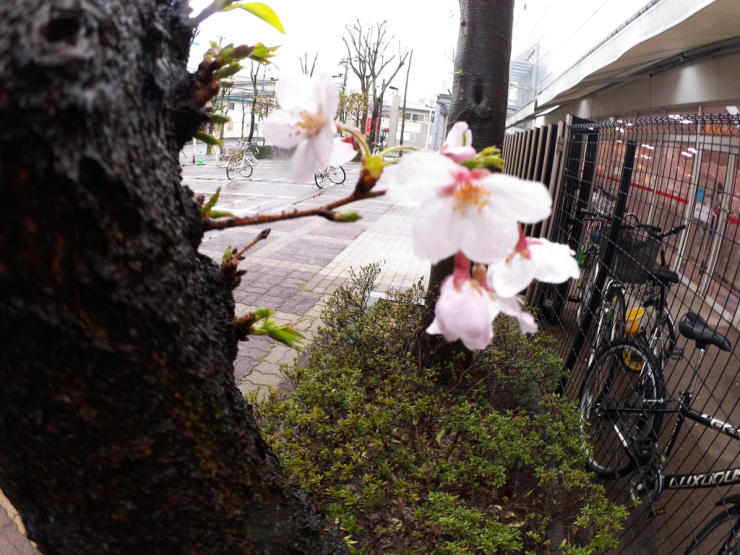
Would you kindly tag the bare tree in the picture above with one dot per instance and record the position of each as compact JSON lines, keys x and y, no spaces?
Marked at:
{"x":222,"y":106}
{"x":304,"y":64}
{"x":367,"y":53}
{"x":254,"y":70}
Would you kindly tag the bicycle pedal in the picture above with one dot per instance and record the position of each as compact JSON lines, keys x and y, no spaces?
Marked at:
{"x":574,"y":299}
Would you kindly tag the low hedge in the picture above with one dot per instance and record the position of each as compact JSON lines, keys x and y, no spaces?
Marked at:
{"x":407,"y":460}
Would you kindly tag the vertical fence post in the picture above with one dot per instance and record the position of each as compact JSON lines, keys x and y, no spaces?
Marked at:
{"x":607,"y":258}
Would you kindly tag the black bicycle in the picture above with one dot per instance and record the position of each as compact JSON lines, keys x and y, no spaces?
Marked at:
{"x":635,"y":252}
{"x":621,"y":411}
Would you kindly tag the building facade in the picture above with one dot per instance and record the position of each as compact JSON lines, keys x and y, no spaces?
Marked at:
{"x":626,"y":59}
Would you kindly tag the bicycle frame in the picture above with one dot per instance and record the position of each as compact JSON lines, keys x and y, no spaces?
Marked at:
{"x":725,"y":477}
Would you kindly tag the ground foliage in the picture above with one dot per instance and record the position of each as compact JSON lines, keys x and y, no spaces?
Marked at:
{"x":416,"y":459}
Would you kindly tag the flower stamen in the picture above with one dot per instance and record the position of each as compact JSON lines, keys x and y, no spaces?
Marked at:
{"x":311,"y":123}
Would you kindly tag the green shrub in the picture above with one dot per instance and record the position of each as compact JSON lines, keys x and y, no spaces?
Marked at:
{"x":491,"y":463}
{"x":264,"y":152}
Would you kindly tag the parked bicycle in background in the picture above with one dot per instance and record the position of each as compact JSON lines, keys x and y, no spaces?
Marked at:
{"x":632,"y":267}
{"x":242,"y":164}
{"x":621,"y":410}
{"x":242,"y":147}
{"x":335,"y":174}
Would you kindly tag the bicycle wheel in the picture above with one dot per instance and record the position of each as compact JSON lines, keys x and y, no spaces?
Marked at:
{"x":610,"y":321}
{"x":319,"y":178}
{"x":246,"y":169}
{"x":618,"y":408}
{"x":587,"y":280}
{"x":720,"y":535}
{"x":337,"y":174}
{"x":232,"y":168}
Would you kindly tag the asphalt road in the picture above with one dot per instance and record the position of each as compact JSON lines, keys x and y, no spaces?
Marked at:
{"x":268,"y":189}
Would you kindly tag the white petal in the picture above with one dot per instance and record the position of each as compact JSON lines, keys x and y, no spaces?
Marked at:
{"x":555,"y":262}
{"x":459,"y":135}
{"x":488,"y":236}
{"x":327,"y":94}
{"x":512,"y":307}
{"x":297,"y":92}
{"x":522,"y":200}
{"x":280,"y":130}
{"x":438,"y":230}
{"x":419,"y":176}
{"x":310,"y":155}
{"x":459,"y":153}
{"x":465,"y":314}
{"x":341,"y":152}
{"x":303,"y":163}
{"x":510,"y":277}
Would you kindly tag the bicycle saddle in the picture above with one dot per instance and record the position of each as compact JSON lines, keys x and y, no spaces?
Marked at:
{"x":663,"y":275}
{"x":694,"y":327}
{"x":729,"y":500}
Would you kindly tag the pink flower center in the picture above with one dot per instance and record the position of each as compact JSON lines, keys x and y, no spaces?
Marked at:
{"x":522,"y":246}
{"x":468,"y":190}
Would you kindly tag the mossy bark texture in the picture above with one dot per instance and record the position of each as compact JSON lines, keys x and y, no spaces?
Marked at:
{"x":121,"y":428}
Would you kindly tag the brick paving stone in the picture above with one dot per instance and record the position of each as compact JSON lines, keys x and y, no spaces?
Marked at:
{"x":302,"y":263}
{"x":311,"y":251}
{"x":12,"y":540}
{"x":340,"y":231}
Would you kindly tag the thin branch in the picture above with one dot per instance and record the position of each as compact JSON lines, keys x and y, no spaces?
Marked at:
{"x":325,"y":211}
{"x":262,"y":235}
{"x":215,"y":7}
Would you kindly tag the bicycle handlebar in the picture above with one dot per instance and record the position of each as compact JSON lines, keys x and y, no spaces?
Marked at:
{"x":595,"y":214}
{"x":654,"y":230}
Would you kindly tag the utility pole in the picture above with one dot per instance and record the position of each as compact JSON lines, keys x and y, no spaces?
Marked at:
{"x":403,"y":111}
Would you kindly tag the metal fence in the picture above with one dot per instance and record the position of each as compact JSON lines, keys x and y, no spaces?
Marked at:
{"x":665,"y":172}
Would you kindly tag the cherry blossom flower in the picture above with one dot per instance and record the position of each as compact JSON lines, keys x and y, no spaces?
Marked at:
{"x":466,"y":313}
{"x":466,"y":307}
{"x":512,"y":306}
{"x":305,"y":121}
{"x":458,"y":144}
{"x":475,"y":211}
{"x":532,"y":259}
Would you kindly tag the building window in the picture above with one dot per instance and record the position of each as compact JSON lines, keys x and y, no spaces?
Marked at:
{"x":231,"y":105}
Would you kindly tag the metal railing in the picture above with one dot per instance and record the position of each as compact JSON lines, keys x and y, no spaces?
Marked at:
{"x":666,"y":172}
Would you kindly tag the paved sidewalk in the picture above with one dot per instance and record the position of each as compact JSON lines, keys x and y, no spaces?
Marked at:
{"x":302,"y":262}
{"x":293,"y":271}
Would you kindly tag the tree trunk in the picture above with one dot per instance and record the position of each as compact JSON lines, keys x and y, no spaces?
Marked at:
{"x":481,"y":86}
{"x":253,"y":73}
{"x":121,"y":428}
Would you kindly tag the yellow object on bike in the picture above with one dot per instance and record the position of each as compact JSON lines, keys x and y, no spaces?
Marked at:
{"x":633,"y":317}
{"x":631,"y":358}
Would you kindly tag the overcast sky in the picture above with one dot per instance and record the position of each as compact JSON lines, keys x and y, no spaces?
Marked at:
{"x":429,"y":27}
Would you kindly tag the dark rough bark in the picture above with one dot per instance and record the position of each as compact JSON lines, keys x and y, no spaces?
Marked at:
{"x":121,"y":428}
{"x":481,"y":85}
